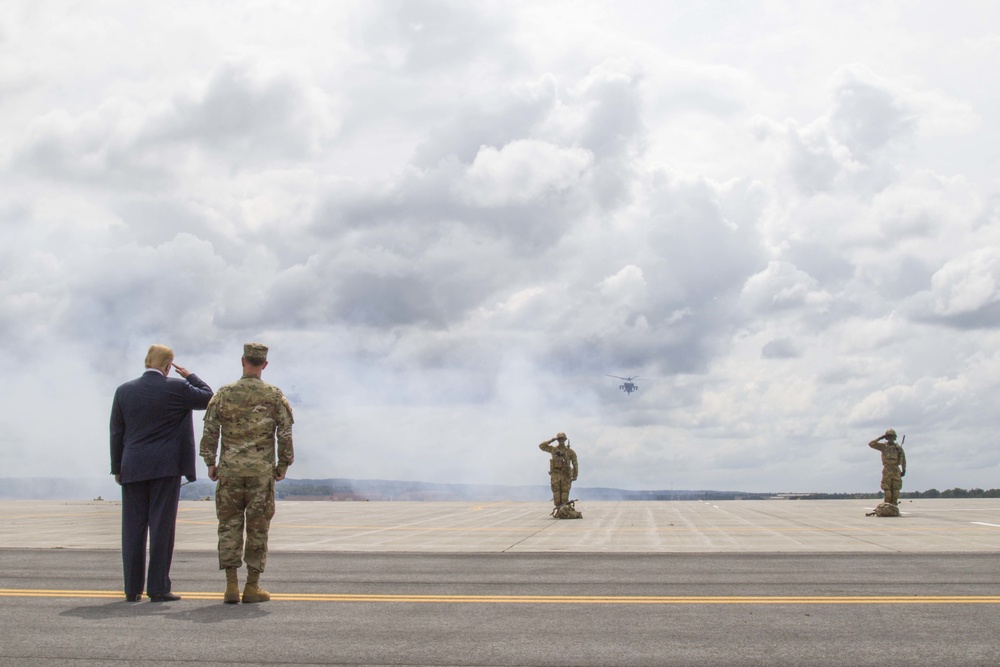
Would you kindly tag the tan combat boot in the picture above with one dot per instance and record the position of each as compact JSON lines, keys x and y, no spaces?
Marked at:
{"x":232,"y":586}
{"x":252,"y":592}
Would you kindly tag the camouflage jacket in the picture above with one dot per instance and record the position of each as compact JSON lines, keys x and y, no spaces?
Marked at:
{"x":248,"y":415}
{"x":892,"y":455}
{"x":563,"y":461}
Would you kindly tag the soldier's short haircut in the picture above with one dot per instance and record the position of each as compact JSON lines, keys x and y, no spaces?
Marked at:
{"x":159,"y":356}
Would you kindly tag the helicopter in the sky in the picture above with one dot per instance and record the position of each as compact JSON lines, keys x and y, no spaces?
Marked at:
{"x":627,"y":386}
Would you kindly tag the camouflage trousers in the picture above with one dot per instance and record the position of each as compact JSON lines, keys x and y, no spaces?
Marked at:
{"x":244,"y":503}
{"x":560,"y":488}
{"x":892,"y":482}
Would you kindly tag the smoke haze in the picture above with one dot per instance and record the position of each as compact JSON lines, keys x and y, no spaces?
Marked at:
{"x":451,"y":221}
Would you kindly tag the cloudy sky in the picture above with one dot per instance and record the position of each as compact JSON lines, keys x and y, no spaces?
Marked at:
{"x":451,"y":221}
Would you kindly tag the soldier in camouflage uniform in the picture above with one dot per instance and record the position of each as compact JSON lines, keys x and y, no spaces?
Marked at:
{"x":893,"y":465}
{"x":248,"y":415}
{"x":563,"y":468}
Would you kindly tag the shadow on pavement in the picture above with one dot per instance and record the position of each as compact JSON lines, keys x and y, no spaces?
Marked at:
{"x":213,"y":612}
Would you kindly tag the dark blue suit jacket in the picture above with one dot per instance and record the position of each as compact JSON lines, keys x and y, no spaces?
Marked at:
{"x":152,"y":433}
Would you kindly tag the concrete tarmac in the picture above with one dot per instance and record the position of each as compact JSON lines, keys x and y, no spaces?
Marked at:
{"x":632,"y":583}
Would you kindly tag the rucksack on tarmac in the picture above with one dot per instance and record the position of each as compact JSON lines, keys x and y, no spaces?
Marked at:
{"x":884,"y":509}
{"x":567,"y":511}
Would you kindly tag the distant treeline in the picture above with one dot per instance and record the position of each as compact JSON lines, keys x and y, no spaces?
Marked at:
{"x":957,"y":492}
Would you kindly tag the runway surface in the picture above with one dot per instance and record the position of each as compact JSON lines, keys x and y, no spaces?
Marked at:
{"x":673,"y":583}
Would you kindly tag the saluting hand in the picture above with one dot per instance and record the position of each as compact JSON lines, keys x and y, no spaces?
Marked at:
{"x":183,"y":372}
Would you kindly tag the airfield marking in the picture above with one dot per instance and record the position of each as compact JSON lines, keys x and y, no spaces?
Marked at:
{"x":880,"y":529}
{"x":546,"y":599}
{"x":15,"y":517}
{"x":478,"y":508}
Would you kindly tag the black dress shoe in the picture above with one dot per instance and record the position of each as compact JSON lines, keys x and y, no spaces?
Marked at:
{"x":164,"y":597}
{"x":134,"y":598}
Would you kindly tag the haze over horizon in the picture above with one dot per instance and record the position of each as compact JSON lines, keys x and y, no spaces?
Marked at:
{"x":452,"y":221}
{"x":104,"y":488}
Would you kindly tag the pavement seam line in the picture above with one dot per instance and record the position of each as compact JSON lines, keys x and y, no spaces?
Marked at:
{"x":827,"y":530}
{"x":528,"y":537}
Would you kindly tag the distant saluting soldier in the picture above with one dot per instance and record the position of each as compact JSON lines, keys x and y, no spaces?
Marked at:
{"x":563,"y":468}
{"x":893,"y":465}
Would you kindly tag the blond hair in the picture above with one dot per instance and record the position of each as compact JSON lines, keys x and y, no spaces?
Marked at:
{"x":159,"y":356}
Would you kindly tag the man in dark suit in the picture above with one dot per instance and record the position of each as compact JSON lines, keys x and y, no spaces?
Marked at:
{"x":152,"y":446}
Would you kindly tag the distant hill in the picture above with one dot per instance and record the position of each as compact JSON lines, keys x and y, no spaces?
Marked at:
{"x":339,"y":489}
{"x":58,"y":488}
{"x":386,"y":490}
{"x":35,"y":488}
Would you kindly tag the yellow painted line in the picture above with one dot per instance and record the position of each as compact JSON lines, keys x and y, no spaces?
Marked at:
{"x":547,"y":599}
{"x":477,"y":508}
{"x":647,"y":599}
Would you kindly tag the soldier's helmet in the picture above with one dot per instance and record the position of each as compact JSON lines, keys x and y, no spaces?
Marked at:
{"x":891,"y":433}
{"x":560,"y":436}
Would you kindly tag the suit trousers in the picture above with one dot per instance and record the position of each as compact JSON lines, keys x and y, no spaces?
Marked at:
{"x":149,"y":507}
